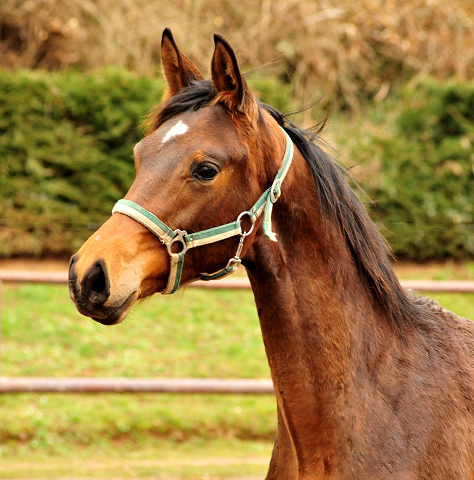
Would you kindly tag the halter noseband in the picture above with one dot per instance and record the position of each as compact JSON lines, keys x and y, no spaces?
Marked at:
{"x":168,"y":236}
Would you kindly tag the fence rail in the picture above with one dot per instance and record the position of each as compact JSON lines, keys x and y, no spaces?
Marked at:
{"x":450,"y":286}
{"x":134,"y":385}
{"x":157,"y":385}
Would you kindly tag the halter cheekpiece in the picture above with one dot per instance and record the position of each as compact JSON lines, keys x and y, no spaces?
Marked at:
{"x":190,"y":240}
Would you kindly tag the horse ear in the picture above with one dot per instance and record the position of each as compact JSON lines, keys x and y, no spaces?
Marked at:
{"x":229,"y":83}
{"x":179,"y":70}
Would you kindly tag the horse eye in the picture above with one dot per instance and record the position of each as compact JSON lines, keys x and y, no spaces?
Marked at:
{"x":206,"y":172}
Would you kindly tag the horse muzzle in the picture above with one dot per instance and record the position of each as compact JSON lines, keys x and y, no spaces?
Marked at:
{"x":91,"y":294}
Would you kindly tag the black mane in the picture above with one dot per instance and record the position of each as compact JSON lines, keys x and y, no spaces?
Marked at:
{"x":338,"y":201}
{"x":197,"y":95}
{"x":369,"y":249}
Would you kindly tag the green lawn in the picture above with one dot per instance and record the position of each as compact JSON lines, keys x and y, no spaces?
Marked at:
{"x":198,"y":333}
{"x":157,"y":459}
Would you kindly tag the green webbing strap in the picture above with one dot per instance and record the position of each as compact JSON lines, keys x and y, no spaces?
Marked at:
{"x":219,"y":274}
{"x":176,"y":269}
{"x":146,"y":218}
{"x":272,"y":194}
{"x":168,"y":236}
{"x":164,"y":234}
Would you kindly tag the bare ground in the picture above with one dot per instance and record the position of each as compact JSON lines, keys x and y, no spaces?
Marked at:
{"x":455,"y":270}
{"x":95,"y":470}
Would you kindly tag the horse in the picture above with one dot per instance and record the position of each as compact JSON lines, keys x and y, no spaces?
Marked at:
{"x":371,"y":381}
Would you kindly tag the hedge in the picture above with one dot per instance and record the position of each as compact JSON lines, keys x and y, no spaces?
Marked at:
{"x":424,"y":185}
{"x":66,"y":143}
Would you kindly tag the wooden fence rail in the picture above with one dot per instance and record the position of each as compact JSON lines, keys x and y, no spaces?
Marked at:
{"x":134,"y":385}
{"x":163,"y":385}
{"x":451,"y":286}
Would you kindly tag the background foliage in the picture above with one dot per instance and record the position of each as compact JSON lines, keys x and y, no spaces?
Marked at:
{"x":65,"y":138}
{"x":344,"y":49}
{"x":418,"y":166}
{"x":65,"y":144}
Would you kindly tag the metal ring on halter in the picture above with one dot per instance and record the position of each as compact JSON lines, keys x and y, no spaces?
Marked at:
{"x":180,"y":234}
{"x":252,"y":219}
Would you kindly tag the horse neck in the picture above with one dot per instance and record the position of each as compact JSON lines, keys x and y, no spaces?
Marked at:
{"x":309,"y":292}
{"x":315,"y":309}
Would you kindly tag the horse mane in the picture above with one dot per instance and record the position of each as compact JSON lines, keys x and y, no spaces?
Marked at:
{"x":337,"y":200}
{"x":198,"y":95}
{"x":370,"y":251}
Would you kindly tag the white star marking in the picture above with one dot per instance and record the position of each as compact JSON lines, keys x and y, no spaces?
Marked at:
{"x":177,"y":129}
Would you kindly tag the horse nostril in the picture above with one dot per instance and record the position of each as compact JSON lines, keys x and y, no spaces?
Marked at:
{"x":73,"y":291}
{"x":96,"y":284}
{"x":72,"y":262}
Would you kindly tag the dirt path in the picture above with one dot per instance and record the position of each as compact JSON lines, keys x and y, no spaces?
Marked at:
{"x":39,"y":265}
{"x":448,"y":269}
{"x":130,"y":469}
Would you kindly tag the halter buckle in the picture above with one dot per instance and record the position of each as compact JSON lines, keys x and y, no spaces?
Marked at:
{"x":234,"y":263}
{"x":180,"y":234}
{"x":276,"y":185}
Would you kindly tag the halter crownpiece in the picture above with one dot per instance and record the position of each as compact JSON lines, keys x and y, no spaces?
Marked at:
{"x":190,"y":240}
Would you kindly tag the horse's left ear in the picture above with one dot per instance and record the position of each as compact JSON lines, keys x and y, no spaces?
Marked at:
{"x":231,"y":87}
{"x":179,"y":70}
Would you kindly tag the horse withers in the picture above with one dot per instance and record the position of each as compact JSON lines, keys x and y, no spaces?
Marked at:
{"x":371,"y":381}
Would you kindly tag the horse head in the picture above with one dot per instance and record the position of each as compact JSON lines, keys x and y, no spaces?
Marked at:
{"x":199,"y":170}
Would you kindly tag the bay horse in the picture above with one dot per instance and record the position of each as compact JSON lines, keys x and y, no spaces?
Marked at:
{"x":371,"y":381}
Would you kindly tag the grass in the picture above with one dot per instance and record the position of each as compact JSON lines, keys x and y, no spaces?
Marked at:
{"x":158,"y":459}
{"x":209,"y":334}
{"x":448,"y":270}
{"x":196,"y":334}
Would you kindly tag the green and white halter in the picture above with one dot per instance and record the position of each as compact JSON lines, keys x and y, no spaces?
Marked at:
{"x":190,"y":240}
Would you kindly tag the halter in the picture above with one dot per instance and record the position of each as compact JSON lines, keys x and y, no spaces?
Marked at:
{"x":168,"y":236}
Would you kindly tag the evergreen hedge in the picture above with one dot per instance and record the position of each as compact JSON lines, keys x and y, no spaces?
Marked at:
{"x":424,"y":189}
{"x":65,"y":146}
{"x":66,"y":143}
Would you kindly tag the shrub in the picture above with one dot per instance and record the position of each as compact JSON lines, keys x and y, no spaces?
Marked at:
{"x":65,"y":144}
{"x":424,"y":185}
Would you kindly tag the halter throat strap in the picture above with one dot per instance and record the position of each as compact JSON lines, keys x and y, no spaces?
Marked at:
{"x":169,"y":237}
